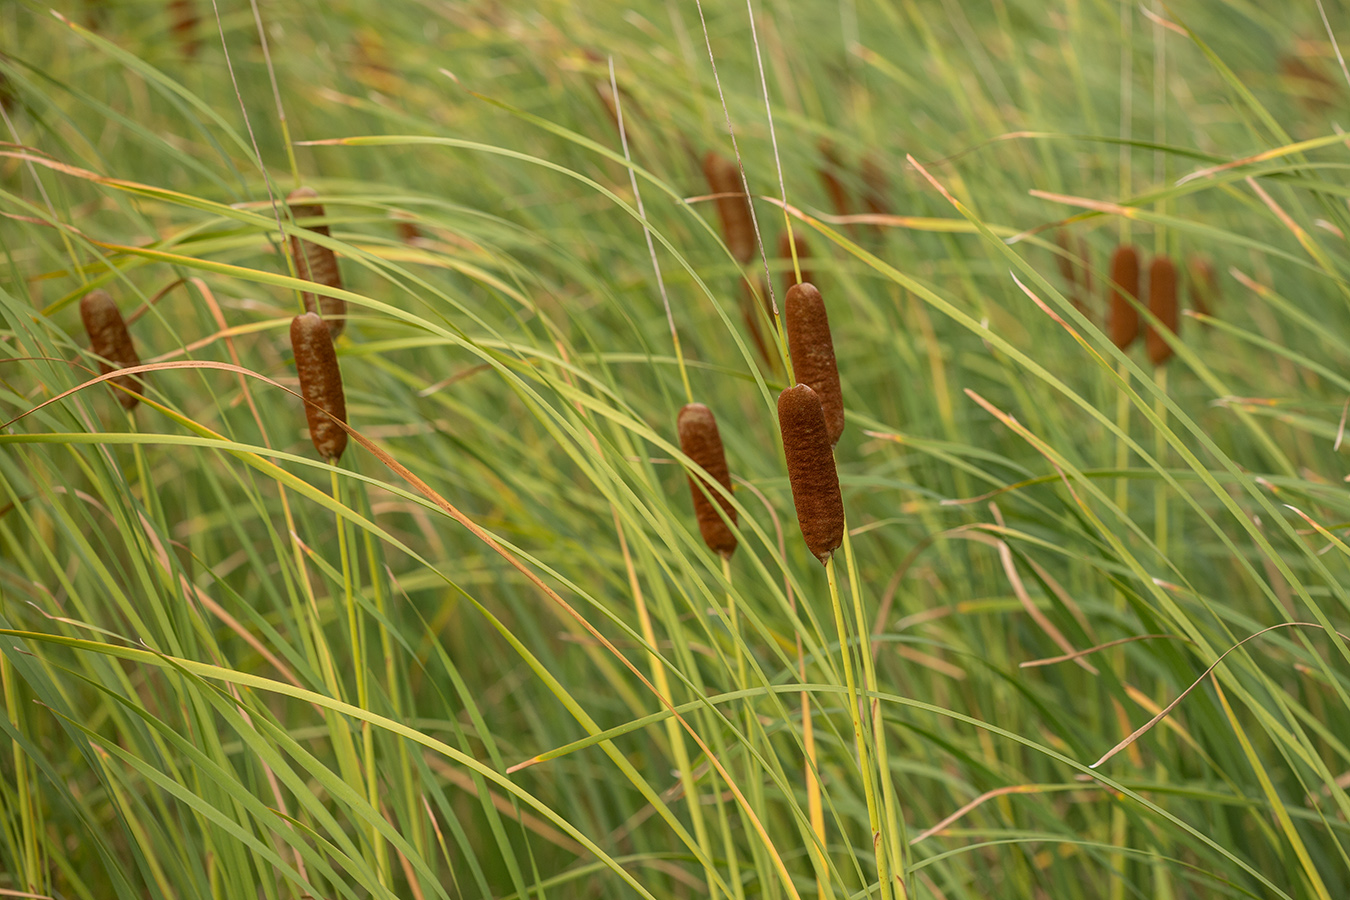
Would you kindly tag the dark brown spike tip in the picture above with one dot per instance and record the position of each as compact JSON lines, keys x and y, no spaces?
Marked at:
{"x":111,"y":342}
{"x":701,"y":442}
{"x":1123,"y":320}
{"x":320,"y":384}
{"x":316,"y":263}
{"x":812,"y":351}
{"x":738,"y":226}
{"x":1162,"y":302}
{"x":811,"y":470}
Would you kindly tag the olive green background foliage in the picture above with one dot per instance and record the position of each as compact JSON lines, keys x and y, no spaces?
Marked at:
{"x":230,"y":670}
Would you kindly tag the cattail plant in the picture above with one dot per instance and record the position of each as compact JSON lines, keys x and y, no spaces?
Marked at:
{"x":812,"y":350}
{"x":1123,"y":321}
{"x":830,"y":178}
{"x":317,"y":263}
{"x":811,"y":470}
{"x":1162,"y":302}
{"x":183,"y":21}
{"x":1204,"y":285}
{"x":701,"y":442}
{"x":111,"y":343}
{"x":751,"y":304}
{"x":320,"y":384}
{"x":1069,"y":272}
{"x":785,"y":243}
{"x":733,"y":206}
{"x":875,"y":185}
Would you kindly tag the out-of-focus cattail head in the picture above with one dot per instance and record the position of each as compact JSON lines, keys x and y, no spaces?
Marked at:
{"x":751,"y":304}
{"x":317,"y":263}
{"x":111,"y":342}
{"x":1068,"y":270}
{"x":1123,"y":320}
{"x":811,"y":470}
{"x":1162,"y":302}
{"x":812,"y":350}
{"x":733,"y":206}
{"x":701,"y":442}
{"x":1204,"y":285}
{"x":877,"y":186}
{"x":183,"y":20}
{"x":829,"y":176}
{"x":785,"y":243}
{"x":320,"y":384}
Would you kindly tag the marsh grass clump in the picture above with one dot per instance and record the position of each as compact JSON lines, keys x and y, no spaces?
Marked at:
{"x":111,"y":342}
{"x":812,"y":350}
{"x":320,"y":384}
{"x":701,"y":441}
{"x":314,"y":262}
{"x":1122,"y":317}
{"x":811,"y":470}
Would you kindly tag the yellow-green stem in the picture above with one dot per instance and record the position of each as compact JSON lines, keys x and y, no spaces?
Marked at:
{"x":855,"y":716}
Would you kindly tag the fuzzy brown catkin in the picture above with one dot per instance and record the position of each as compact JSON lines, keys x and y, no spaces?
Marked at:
{"x":811,"y":470}
{"x":1204,"y":286}
{"x":317,"y":263}
{"x":1123,"y":323}
{"x":320,"y":384}
{"x":733,"y":207}
{"x":184,"y":19}
{"x":111,"y":342}
{"x":812,"y":350}
{"x":750,"y":307}
{"x":1162,"y":302}
{"x":702,"y":442}
{"x":830,"y":178}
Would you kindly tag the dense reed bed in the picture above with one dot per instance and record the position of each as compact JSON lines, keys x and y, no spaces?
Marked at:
{"x":535,"y":623}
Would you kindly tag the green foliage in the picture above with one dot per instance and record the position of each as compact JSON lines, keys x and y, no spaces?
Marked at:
{"x":487,"y":654}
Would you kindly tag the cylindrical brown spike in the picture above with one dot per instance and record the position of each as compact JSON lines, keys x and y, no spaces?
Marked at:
{"x":874,"y":179}
{"x":184,"y":20}
{"x":750,"y":307}
{"x":812,"y":350}
{"x":320,"y":384}
{"x":811,"y":470}
{"x":1162,"y":302}
{"x":701,"y":442}
{"x":785,"y":243}
{"x":738,"y":227}
{"x":316,"y":263}
{"x":1123,"y":323}
{"x":1085,"y":253}
{"x":1204,"y":286}
{"x":111,"y":342}
{"x":830,"y":178}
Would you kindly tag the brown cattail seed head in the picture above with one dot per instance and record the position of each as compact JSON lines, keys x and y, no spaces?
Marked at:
{"x":750,"y":307}
{"x":320,"y":384}
{"x":785,"y":243}
{"x":701,"y":442}
{"x":812,"y":351}
{"x":874,"y":179}
{"x":810,"y":463}
{"x":184,"y":21}
{"x":111,"y":342}
{"x":1123,"y":323}
{"x":830,"y":178}
{"x":738,"y":227}
{"x":316,"y":263}
{"x":1204,"y":286}
{"x":1162,"y":302}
